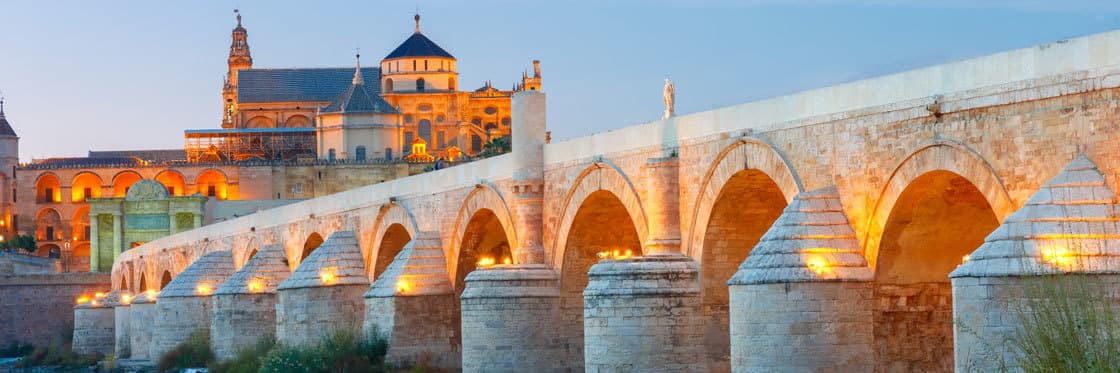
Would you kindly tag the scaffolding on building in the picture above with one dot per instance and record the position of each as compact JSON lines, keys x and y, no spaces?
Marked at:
{"x":235,"y":145}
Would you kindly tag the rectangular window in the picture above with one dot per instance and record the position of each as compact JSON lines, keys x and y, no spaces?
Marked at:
{"x":439,"y":139}
{"x":48,"y":195}
{"x":85,"y":234}
{"x":360,"y":153}
{"x":407,"y":141}
{"x":50,"y":234}
{"x":87,"y":193}
{"x":13,"y":195}
{"x":297,"y":189}
{"x":388,"y":154}
{"x":170,"y":190}
{"x":211,"y":191}
{"x":425,"y":65}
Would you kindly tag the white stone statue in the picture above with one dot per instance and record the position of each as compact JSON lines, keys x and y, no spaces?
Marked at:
{"x":669,"y":96}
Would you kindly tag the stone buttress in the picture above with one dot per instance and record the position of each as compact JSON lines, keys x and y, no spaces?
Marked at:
{"x":324,"y":294}
{"x":122,"y":321}
{"x":95,"y":324}
{"x":184,"y":306}
{"x":141,"y":315}
{"x":245,"y":305}
{"x":802,"y":300}
{"x":413,"y":305}
{"x":1070,"y":226}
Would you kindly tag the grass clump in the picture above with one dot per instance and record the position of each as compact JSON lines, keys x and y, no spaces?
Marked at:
{"x":339,"y":351}
{"x":1067,"y":323}
{"x":248,"y":360}
{"x":194,"y":353}
{"x":58,"y":353}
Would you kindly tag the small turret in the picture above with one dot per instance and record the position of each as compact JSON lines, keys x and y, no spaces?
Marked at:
{"x":532,"y":83}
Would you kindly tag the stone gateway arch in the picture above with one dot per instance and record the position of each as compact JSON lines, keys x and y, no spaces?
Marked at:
{"x":857,"y":227}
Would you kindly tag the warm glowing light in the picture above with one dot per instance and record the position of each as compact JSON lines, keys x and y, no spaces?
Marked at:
{"x":99,"y":295}
{"x":1057,"y":256}
{"x":402,"y":287}
{"x":82,"y":299}
{"x":327,"y":276}
{"x":151,"y":293}
{"x":203,"y":289}
{"x":615,"y":254}
{"x":126,"y":299}
{"x":507,"y":261}
{"x":93,"y":303}
{"x":256,"y":286}
{"x":817,"y":264}
{"x":486,"y":261}
{"x":966,"y":258}
{"x":603,"y":255}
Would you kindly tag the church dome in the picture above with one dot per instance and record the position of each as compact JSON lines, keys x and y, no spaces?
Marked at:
{"x":418,"y":45}
{"x":5,"y":127}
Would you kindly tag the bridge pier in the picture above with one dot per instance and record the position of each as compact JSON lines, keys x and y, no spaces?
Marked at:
{"x":510,"y":317}
{"x":184,"y":305}
{"x":413,"y":305}
{"x":245,"y":305}
{"x":324,"y":294}
{"x":95,"y":325}
{"x":141,"y":317}
{"x":802,"y":300}
{"x":122,"y":321}
{"x":1060,"y":251}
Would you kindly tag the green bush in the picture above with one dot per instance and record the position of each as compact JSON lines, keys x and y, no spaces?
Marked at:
{"x":1067,"y":323}
{"x":59,"y":353}
{"x":193,"y":353}
{"x":15,"y":349}
{"x":340,"y":351}
{"x":248,"y":360}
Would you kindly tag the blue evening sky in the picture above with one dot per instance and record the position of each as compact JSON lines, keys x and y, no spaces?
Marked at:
{"x":105,"y":75}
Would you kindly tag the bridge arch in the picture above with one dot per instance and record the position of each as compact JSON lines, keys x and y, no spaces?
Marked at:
{"x":313,"y":241}
{"x":939,"y":155}
{"x":242,"y":253}
{"x":483,"y":219}
{"x":392,"y":229}
{"x":599,"y":176}
{"x":165,"y":279}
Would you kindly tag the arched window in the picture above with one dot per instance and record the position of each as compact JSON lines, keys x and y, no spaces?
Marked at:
{"x":425,"y":130}
{"x":360,"y":153}
{"x":330,"y":154}
{"x":420,"y":84}
{"x":388,"y":85}
{"x":388,"y":154}
{"x":451,"y":84}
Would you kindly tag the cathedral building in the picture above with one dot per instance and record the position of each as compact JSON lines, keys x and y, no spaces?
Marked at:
{"x":286,"y":134}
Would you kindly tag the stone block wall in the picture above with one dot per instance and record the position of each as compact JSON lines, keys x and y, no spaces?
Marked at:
{"x":914,"y":327}
{"x":176,"y":318}
{"x":94,"y":330}
{"x":239,"y":321}
{"x":305,"y":315}
{"x":420,"y":329}
{"x":122,"y":321}
{"x":807,"y":326}
{"x":38,"y":309}
{"x":141,"y":319}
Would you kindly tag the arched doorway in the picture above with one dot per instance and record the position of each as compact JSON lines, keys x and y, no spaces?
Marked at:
{"x":313,"y":242}
{"x":938,"y":218}
{"x":123,"y":181}
{"x":601,"y":223}
{"x":174,"y":182}
{"x":483,"y":239}
{"x":396,"y":236}
{"x":212,"y":183}
{"x":166,"y":279}
{"x":747,"y":205}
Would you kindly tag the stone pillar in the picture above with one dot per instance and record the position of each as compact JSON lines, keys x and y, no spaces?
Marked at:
{"x":245,"y":305}
{"x":123,"y":324}
{"x":95,"y":324}
{"x":509,"y":320}
{"x":663,"y":206}
{"x":117,"y":233}
{"x":528,"y":215}
{"x":173,"y":223}
{"x":528,"y":138}
{"x":94,"y":244}
{"x":802,"y":299}
{"x":413,"y":305}
{"x":643,"y":314}
{"x":142,"y":316}
{"x":197,"y":221}
{"x":324,"y":294}
{"x":185,"y":305}
{"x":1060,"y":248}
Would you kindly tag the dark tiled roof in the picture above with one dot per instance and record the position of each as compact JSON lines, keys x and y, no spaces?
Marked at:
{"x":155,"y":156}
{"x":305,"y":84}
{"x":358,"y":99}
{"x":5,"y":127}
{"x":89,"y":162}
{"x":418,"y":45}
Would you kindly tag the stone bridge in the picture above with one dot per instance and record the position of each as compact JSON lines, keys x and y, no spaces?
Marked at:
{"x":837,"y":214}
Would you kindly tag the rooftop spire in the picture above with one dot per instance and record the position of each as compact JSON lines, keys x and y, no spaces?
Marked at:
{"x":358,"y":70}
{"x":238,"y":13}
{"x":417,"y":18}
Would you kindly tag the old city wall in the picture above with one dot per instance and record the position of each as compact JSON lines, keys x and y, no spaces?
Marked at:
{"x":973,"y":138}
{"x":38,"y":308}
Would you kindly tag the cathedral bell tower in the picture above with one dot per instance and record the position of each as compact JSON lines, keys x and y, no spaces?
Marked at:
{"x":239,"y":59}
